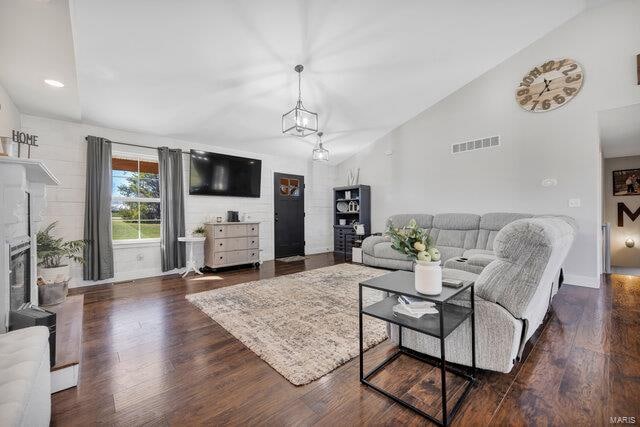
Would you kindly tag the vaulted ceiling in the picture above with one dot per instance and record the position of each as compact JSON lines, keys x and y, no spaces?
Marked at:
{"x":221,"y":72}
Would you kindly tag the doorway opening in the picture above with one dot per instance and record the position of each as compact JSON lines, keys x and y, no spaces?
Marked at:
{"x":620,"y":148}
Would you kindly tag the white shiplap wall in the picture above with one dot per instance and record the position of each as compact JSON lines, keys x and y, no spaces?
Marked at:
{"x":63,"y":150}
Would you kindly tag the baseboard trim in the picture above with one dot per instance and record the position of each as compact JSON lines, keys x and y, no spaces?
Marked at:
{"x":584,"y":281}
{"x":125,"y":277}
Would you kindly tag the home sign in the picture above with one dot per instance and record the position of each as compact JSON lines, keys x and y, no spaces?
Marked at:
{"x":26,"y":139}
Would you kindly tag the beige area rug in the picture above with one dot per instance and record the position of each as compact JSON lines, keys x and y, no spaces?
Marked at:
{"x":304,"y":325}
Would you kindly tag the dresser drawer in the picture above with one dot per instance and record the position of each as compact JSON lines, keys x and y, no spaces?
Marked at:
{"x":219,"y":245}
{"x":236,"y":244}
{"x":254,"y":255}
{"x":252,"y":242}
{"x":253,"y":230}
{"x":219,"y":231}
{"x":220,"y":258}
{"x":237,"y":257}
{"x":236,"y":230}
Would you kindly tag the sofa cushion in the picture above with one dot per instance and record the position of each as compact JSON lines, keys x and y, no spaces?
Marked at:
{"x":423,"y":220}
{"x":481,"y":260}
{"x":384,"y":250}
{"x":449,"y":252}
{"x":24,"y":377}
{"x":453,"y":233}
{"x":493,"y":222}
{"x":456,"y":221}
{"x":369,"y":243}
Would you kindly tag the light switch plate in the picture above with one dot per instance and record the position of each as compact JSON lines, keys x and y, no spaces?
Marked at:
{"x":574,"y":203}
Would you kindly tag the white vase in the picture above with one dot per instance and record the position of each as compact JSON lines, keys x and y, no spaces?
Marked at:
{"x":428,"y":277}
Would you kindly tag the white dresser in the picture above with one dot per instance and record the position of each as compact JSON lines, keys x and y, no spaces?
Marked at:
{"x":232,"y":243}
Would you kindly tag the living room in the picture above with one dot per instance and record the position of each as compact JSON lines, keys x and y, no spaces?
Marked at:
{"x":288,"y":212}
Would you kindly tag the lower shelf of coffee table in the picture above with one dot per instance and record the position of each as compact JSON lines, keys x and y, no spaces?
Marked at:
{"x":427,"y":324}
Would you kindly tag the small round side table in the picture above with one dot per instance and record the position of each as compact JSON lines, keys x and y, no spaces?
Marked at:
{"x":191,"y":263}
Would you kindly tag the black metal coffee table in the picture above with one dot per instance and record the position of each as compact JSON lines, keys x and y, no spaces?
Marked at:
{"x":439,"y":326}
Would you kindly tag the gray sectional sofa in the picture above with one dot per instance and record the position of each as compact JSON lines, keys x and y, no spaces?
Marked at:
{"x":514,"y":260}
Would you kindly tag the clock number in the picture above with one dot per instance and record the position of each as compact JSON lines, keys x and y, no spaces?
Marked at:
{"x":561,"y":64}
{"x":535,"y":103}
{"x":546,"y":104}
{"x":559,"y":99}
{"x":570,"y":69}
{"x":522,"y":92}
{"x":548,"y":66}
{"x":569,"y":90}
{"x":573,"y":79}
{"x":526,"y":99}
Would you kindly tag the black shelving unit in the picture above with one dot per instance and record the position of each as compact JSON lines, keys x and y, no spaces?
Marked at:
{"x":354,"y":196}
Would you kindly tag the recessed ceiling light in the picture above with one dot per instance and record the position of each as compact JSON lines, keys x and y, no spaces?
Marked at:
{"x":54,"y":83}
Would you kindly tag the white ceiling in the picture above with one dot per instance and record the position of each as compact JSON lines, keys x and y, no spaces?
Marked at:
{"x":36,"y":44}
{"x":620,"y":131}
{"x":221,"y":72}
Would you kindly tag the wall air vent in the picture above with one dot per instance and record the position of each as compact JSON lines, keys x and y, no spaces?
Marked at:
{"x":476,"y":144}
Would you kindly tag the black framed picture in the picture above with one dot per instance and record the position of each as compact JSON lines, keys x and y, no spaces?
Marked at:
{"x":626,"y":182}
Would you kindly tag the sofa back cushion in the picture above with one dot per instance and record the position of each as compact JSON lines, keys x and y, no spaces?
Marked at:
{"x":453,"y":233}
{"x":528,"y":253}
{"x":398,"y":221}
{"x":491,"y":223}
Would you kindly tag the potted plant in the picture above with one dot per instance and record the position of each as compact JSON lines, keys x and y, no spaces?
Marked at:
{"x":199,"y":231}
{"x":416,"y":243}
{"x":54,"y":254}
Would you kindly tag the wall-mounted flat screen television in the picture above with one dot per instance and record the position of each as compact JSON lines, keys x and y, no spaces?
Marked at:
{"x":214,"y":174}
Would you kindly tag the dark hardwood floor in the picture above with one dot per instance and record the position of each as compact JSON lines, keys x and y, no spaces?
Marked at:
{"x":150,"y":357}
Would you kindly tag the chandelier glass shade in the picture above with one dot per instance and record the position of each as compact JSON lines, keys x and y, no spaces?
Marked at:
{"x":299,"y":121}
{"x":320,"y":154}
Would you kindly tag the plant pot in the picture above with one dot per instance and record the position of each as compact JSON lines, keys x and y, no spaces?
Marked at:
{"x":52,"y":293}
{"x":55,"y":275}
{"x":428,"y":277}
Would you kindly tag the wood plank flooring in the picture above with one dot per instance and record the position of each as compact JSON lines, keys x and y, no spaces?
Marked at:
{"x":150,"y":357}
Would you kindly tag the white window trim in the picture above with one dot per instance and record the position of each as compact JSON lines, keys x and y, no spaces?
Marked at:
{"x":141,"y":242}
{"x":136,"y":243}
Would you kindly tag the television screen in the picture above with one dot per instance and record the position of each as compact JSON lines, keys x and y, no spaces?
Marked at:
{"x":216,"y":174}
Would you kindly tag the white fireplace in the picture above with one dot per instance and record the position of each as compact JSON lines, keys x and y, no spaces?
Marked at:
{"x":22,"y":202}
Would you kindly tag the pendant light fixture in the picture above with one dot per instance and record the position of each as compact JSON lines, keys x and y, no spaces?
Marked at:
{"x":320,"y":154}
{"x":299,"y":121}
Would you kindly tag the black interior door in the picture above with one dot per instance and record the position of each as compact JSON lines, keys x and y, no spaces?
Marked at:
{"x":288,"y":214}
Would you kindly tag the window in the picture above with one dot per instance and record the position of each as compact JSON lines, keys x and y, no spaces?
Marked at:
{"x":135,"y":198}
{"x":289,"y":187}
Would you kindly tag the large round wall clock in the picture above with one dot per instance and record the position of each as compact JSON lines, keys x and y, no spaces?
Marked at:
{"x":550,"y":85}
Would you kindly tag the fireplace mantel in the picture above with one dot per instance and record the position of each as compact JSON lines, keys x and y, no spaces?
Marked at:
{"x":35,"y":170}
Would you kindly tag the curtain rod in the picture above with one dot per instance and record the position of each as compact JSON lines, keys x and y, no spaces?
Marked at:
{"x":138,"y":145}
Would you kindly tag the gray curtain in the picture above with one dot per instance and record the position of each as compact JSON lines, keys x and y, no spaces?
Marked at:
{"x":98,"y":252}
{"x":171,"y":208}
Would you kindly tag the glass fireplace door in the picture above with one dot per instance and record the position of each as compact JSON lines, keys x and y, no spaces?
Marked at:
{"x":20,"y":276}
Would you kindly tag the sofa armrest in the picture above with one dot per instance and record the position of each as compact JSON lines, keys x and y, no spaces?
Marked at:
{"x":370,"y":242}
{"x":480,"y":260}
